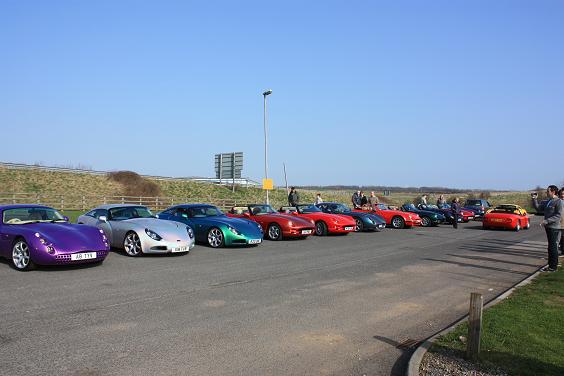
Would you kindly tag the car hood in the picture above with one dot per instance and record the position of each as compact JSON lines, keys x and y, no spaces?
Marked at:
{"x":296,"y":219}
{"x":238,"y":223}
{"x":68,"y":236}
{"x":166,"y":229}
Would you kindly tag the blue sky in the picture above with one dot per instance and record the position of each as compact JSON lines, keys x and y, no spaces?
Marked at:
{"x":466,"y":94}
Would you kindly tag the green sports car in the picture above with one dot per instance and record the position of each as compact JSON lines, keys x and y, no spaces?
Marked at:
{"x":211,"y":226}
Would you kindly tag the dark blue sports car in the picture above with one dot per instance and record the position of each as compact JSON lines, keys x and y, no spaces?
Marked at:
{"x":364,"y":221}
{"x":428,"y":217}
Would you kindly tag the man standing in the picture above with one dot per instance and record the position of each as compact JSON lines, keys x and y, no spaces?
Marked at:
{"x":423,"y":200}
{"x":293,"y":197}
{"x":561,"y":195}
{"x":552,"y":210}
{"x":455,"y":207}
{"x":318,"y":199}
{"x":441,"y":201}
{"x":373,"y":200}
{"x":356,"y":200}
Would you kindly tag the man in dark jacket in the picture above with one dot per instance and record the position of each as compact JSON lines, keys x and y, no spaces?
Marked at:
{"x":356,"y":199}
{"x":293,"y":197}
{"x":552,"y":210}
{"x":455,"y":208}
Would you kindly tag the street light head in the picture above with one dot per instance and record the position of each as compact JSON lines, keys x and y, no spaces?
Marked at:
{"x":268,"y":92}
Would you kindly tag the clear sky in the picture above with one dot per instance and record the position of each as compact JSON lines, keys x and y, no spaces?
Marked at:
{"x":465,"y":94}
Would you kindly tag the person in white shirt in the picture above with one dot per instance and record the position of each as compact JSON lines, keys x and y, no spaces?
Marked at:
{"x":318,"y":199}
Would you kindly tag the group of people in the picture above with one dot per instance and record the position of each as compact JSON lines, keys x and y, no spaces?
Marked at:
{"x":553,"y":223}
{"x":359,"y":200}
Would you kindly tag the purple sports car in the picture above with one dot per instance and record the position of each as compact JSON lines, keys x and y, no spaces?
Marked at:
{"x":34,"y":234}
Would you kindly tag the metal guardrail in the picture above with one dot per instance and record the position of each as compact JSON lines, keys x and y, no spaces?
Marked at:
{"x":86,"y":202}
{"x":242,"y":181}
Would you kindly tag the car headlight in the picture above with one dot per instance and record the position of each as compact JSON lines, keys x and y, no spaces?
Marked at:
{"x":190,"y":232}
{"x":290,"y":223}
{"x":233,"y":230}
{"x":259,"y":226}
{"x":153,"y":235}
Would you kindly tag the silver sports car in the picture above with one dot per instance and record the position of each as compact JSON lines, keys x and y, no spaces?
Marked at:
{"x":136,"y":230}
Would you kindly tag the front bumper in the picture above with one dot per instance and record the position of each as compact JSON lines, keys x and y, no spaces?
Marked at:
{"x":167,"y":246}
{"x":297,"y":232}
{"x":341,"y":229}
{"x":41,"y":257}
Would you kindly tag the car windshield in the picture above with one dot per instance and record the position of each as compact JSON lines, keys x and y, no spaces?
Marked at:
{"x":340,"y":208}
{"x":308,"y":209}
{"x":444,"y":206}
{"x":205,"y":211}
{"x":382,"y":207}
{"x":21,"y":216}
{"x":130,"y":212}
{"x":262,"y":209}
{"x":410,"y":207}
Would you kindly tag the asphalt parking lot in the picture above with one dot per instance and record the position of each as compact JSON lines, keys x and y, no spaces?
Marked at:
{"x":338,"y":305}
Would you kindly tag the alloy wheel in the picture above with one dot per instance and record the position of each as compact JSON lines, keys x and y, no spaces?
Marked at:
{"x":215,"y":238}
{"x":132,"y":244}
{"x":20,"y":255}
{"x":397,"y":222}
{"x":359,"y":225}
{"x":274,"y":232}
{"x":425,"y":221}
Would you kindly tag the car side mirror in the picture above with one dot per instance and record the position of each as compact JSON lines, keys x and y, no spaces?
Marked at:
{"x":103,"y":218}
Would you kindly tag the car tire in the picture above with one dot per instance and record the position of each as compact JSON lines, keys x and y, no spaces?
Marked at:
{"x":215,"y":238}
{"x":426,"y":221}
{"x":517,"y":227}
{"x":21,"y":256}
{"x":527,"y":226}
{"x":359,"y":225}
{"x":398,"y":222}
{"x":132,"y":244}
{"x":274,"y":232}
{"x":320,"y":228}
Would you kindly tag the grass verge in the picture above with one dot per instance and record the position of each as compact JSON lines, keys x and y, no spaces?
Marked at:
{"x":524,"y":334}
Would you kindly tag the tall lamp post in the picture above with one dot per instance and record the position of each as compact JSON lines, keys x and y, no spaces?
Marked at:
{"x":265,"y":94}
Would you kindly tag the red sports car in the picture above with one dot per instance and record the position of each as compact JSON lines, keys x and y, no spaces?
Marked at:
{"x":324,"y":222}
{"x":395,"y":218}
{"x":511,"y":217}
{"x":275,"y":225}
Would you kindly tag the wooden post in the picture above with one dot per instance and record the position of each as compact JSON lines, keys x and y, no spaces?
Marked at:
{"x":474,"y":326}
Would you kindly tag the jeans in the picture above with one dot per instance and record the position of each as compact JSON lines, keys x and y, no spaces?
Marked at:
{"x":553,"y":237}
{"x":455,"y":221}
{"x":562,"y":242}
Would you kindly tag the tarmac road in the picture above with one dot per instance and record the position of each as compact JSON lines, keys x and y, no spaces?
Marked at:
{"x":338,"y":305}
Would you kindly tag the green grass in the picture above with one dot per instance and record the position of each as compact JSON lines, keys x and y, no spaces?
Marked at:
{"x":525,"y":333}
{"x":72,"y":214}
{"x":55,"y":184}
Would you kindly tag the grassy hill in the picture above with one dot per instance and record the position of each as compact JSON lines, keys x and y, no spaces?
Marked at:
{"x":64,"y":185}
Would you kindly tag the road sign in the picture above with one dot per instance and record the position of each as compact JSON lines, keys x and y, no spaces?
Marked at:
{"x":228,"y":165}
{"x":267,"y":184}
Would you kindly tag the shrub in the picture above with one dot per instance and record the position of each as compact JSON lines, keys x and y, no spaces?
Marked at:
{"x":134,"y":184}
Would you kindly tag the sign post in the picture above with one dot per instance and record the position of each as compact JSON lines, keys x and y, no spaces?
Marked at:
{"x":228,"y":166}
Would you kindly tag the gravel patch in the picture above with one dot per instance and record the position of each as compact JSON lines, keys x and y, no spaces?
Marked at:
{"x":447,"y":362}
